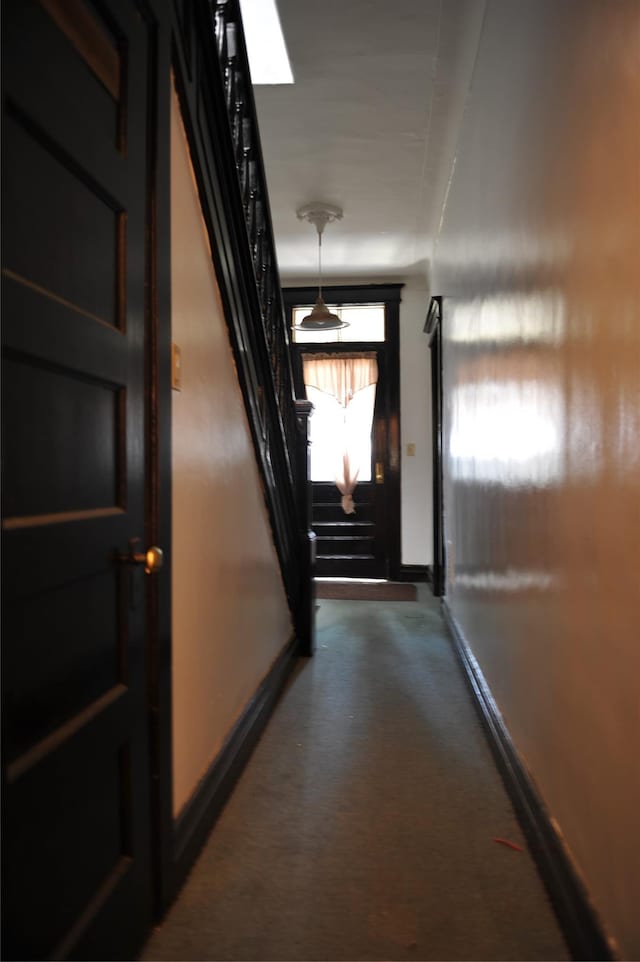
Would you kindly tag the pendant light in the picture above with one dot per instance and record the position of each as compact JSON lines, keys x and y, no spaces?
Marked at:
{"x":321,"y":318}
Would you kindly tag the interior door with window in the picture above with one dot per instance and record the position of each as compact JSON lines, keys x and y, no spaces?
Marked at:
{"x":360,"y":540}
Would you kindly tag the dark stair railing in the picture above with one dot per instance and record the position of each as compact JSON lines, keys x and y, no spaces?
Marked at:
{"x":254,"y":306}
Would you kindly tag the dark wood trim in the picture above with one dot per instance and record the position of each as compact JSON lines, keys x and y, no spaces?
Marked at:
{"x":414,"y":573}
{"x":390,"y":294}
{"x":343,"y":294}
{"x":433,"y":329}
{"x":340,"y":295}
{"x":158,"y":460}
{"x":392,"y":343}
{"x":201,"y":811}
{"x":576,"y":914}
{"x":389,"y":352}
{"x":306,"y":622}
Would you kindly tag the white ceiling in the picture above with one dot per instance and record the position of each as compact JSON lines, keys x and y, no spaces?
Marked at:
{"x":370,"y":124}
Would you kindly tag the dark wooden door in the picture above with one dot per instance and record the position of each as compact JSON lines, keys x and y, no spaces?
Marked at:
{"x":358,"y":545}
{"x":366,"y":545}
{"x":76,"y":858}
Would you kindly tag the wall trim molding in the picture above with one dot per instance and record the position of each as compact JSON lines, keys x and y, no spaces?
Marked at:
{"x":200,"y":813}
{"x":414,"y":573}
{"x":581,"y":925}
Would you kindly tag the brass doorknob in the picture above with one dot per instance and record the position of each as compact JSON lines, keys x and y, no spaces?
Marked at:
{"x":152,"y":558}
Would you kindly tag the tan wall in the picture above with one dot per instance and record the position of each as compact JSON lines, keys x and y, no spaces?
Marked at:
{"x":539,"y":260}
{"x":230,"y":615}
{"x":415,"y":426}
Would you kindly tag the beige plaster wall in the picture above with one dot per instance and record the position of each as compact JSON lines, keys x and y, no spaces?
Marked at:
{"x":415,"y":426}
{"x":539,"y":262}
{"x":230,"y":615}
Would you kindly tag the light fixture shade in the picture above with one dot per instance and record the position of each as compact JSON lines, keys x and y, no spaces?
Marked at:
{"x":321,"y":319}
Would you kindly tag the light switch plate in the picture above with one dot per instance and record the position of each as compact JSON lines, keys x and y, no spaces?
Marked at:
{"x":411,"y":450}
{"x":176,"y":368}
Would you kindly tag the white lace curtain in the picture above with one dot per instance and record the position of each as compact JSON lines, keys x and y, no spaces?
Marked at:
{"x":351,"y":380}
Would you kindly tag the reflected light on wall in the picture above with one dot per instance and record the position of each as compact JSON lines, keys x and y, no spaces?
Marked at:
{"x":585,"y":430}
{"x":507,"y":432}
{"x":626,"y":431}
{"x":510,"y":318}
{"x":511,"y":580}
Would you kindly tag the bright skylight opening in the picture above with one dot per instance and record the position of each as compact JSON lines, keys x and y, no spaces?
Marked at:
{"x":266,"y":49}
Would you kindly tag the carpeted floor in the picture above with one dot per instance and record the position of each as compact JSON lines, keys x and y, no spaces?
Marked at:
{"x":363,"y":825}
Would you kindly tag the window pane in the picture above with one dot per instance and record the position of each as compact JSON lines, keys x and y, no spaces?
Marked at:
{"x":328,"y":433}
{"x":366,"y":324}
{"x":325,"y":427}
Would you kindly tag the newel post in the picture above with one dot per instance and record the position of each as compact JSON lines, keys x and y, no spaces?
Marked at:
{"x":307,"y":538}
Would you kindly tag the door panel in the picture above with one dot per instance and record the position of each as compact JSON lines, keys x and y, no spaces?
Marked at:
{"x":76,"y":860}
{"x":61,"y":408}
{"x":64,"y":236}
{"x":347,"y":546}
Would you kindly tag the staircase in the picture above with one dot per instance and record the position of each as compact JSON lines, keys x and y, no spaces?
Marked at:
{"x":255,"y":312}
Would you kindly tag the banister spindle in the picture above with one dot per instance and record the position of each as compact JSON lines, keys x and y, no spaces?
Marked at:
{"x":272,"y":382}
{"x":219,"y":26}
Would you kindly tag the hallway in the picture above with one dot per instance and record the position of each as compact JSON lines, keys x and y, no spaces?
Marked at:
{"x":363,"y":826}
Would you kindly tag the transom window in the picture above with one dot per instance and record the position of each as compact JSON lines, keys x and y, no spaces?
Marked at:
{"x":366,"y":323}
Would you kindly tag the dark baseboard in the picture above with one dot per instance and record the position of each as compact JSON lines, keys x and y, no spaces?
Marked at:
{"x":576,"y":915}
{"x":414,"y":573}
{"x":201,"y":811}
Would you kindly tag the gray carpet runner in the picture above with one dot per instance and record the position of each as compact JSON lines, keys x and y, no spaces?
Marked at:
{"x":363,"y":826}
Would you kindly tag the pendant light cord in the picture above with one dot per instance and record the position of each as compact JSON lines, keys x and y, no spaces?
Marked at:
{"x":319,"y":263}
